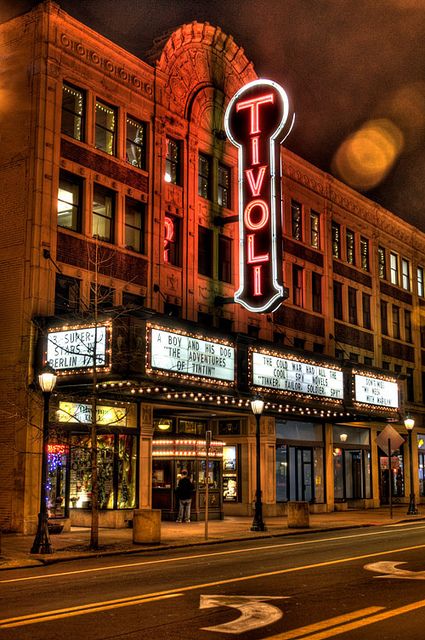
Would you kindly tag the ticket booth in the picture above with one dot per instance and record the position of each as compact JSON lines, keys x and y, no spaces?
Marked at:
{"x":169,"y":457}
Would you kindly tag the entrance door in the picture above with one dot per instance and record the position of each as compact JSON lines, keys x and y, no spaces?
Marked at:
{"x":304,"y":474}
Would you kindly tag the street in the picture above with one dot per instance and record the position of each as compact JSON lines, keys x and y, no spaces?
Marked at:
{"x":351,"y":584}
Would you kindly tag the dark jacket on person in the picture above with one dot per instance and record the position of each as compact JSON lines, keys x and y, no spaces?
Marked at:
{"x":184,"y":489}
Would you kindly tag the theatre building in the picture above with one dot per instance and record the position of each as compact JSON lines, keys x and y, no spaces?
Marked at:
{"x":128,"y":263}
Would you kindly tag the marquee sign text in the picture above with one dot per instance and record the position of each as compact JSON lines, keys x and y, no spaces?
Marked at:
{"x":75,"y":348}
{"x":382,"y":393}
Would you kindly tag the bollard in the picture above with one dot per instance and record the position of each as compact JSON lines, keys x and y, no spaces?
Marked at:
{"x":298,"y":515}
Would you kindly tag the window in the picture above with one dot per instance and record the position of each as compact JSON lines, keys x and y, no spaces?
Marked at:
{"x":205,"y":251}
{"x":204,"y":176}
{"x":394,"y":268}
{"x":173,"y":162}
{"x":172,"y":240}
{"x":136,"y":143}
{"x":253,"y":331}
{"x":134,"y":225}
{"x":339,"y":354}
{"x":299,"y":343}
{"x":132,"y":300}
{"x":69,"y":201}
{"x":338,"y":300}
{"x":67,"y":294}
{"x":102,"y":296}
{"x":350,"y":246}
{"x":224,"y":258}
{"x":405,"y":274}
{"x":103,"y":213}
{"x":296,"y":220}
{"x":225,"y":324}
{"x":364,"y":253}
{"x":420,"y":281}
{"x":315,"y":229}
{"x":410,"y":385}
{"x":297,"y":285}
{"x":172,"y":310}
{"x":352,"y":305}
{"x":105,"y":128}
{"x":336,"y":240}
{"x":386,"y":366}
{"x":316,"y":287}
{"x":368,"y":361}
{"x":384,"y":317}
{"x":205,"y":319}
{"x":367,"y":323}
{"x":73,"y":106}
{"x":318,"y":347}
{"x":396,"y":322}
{"x":382,"y":263}
{"x":223,"y":195}
{"x":354,"y":357}
{"x":408,"y":326}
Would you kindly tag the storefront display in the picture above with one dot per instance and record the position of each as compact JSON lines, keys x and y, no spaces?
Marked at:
{"x":352,"y":464}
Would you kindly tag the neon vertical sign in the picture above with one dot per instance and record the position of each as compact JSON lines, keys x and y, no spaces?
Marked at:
{"x":257,"y":120}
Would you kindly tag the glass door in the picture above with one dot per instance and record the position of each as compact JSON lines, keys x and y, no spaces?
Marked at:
{"x":301,"y":474}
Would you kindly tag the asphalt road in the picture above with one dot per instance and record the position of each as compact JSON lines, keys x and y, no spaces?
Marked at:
{"x":352,"y":584}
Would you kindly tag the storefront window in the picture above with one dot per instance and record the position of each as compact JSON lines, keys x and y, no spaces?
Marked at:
{"x":57,"y":455}
{"x":352,"y":465}
{"x":161,"y":474}
{"x":231,"y":485}
{"x":421,"y":461}
{"x":213,"y":474}
{"x":116,"y":468}
{"x":281,"y":473}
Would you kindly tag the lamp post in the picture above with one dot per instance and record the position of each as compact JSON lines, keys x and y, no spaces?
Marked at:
{"x":257,"y":406}
{"x":42,"y":544}
{"x":409,"y":423}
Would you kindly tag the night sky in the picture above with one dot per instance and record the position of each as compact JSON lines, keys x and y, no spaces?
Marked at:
{"x":350,"y":67}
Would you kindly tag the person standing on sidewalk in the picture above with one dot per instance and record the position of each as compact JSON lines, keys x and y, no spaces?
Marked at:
{"x":184,"y":493}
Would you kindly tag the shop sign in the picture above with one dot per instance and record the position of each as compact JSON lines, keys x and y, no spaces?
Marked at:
{"x":183,"y":354}
{"x":74,"y":348}
{"x":82,"y":413}
{"x":257,"y":120}
{"x":283,"y":374}
{"x":382,"y":393}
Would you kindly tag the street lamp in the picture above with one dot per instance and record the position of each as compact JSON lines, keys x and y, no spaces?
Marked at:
{"x":409,"y":423}
{"x":42,"y":544}
{"x":257,"y":406}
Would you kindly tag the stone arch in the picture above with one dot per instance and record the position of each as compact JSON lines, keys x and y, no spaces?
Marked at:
{"x":197,"y":56}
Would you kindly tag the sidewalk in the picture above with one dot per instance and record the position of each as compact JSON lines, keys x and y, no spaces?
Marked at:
{"x":14,"y":551}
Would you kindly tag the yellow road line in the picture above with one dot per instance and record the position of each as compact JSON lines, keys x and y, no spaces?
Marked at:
{"x":197,"y":556}
{"x":206,"y":585}
{"x":48,"y":616}
{"x":325,"y":624}
{"x":351,"y":626}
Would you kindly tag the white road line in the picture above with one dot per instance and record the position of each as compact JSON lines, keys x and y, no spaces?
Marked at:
{"x":143,"y":563}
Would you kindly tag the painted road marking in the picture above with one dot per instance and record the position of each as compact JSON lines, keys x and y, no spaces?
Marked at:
{"x":345,"y":628}
{"x":143,"y":563}
{"x":48,"y":616}
{"x":255,"y":612}
{"x":255,"y":576}
{"x":390,"y":570}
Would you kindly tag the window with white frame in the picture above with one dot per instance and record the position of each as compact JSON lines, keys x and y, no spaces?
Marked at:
{"x":394,"y":275}
{"x":405,"y":274}
{"x":420,"y":281}
{"x":315,"y":229}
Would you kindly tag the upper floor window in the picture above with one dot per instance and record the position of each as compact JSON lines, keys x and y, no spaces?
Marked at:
{"x":396,"y":322}
{"x":103,"y":213}
{"x":316,"y":287}
{"x":384,"y":317}
{"x":172,"y":240}
{"x":205,"y":251}
{"x":364,"y":253}
{"x":101,"y":296}
{"x":352,"y":305}
{"x":173,"y":162}
{"x":204,"y":176}
{"x":105,"y":128}
{"x":394,"y":278}
{"x":67,"y":294}
{"x":223,"y":194}
{"x":338,"y":300}
{"x":315,"y":229}
{"x":420,"y":281}
{"x":405,"y":274}
{"x":134,"y":225}
{"x":136,"y":143}
{"x":336,"y":240}
{"x":350,"y":246}
{"x":69,"y":201}
{"x":73,"y":107}
{"x":408,"y":326}
{"x":224,"y":258}
{"x":297,"y":285}
{"x":296,"y":220}
{"x":382,"y":263}
{"x":367,"y":322}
